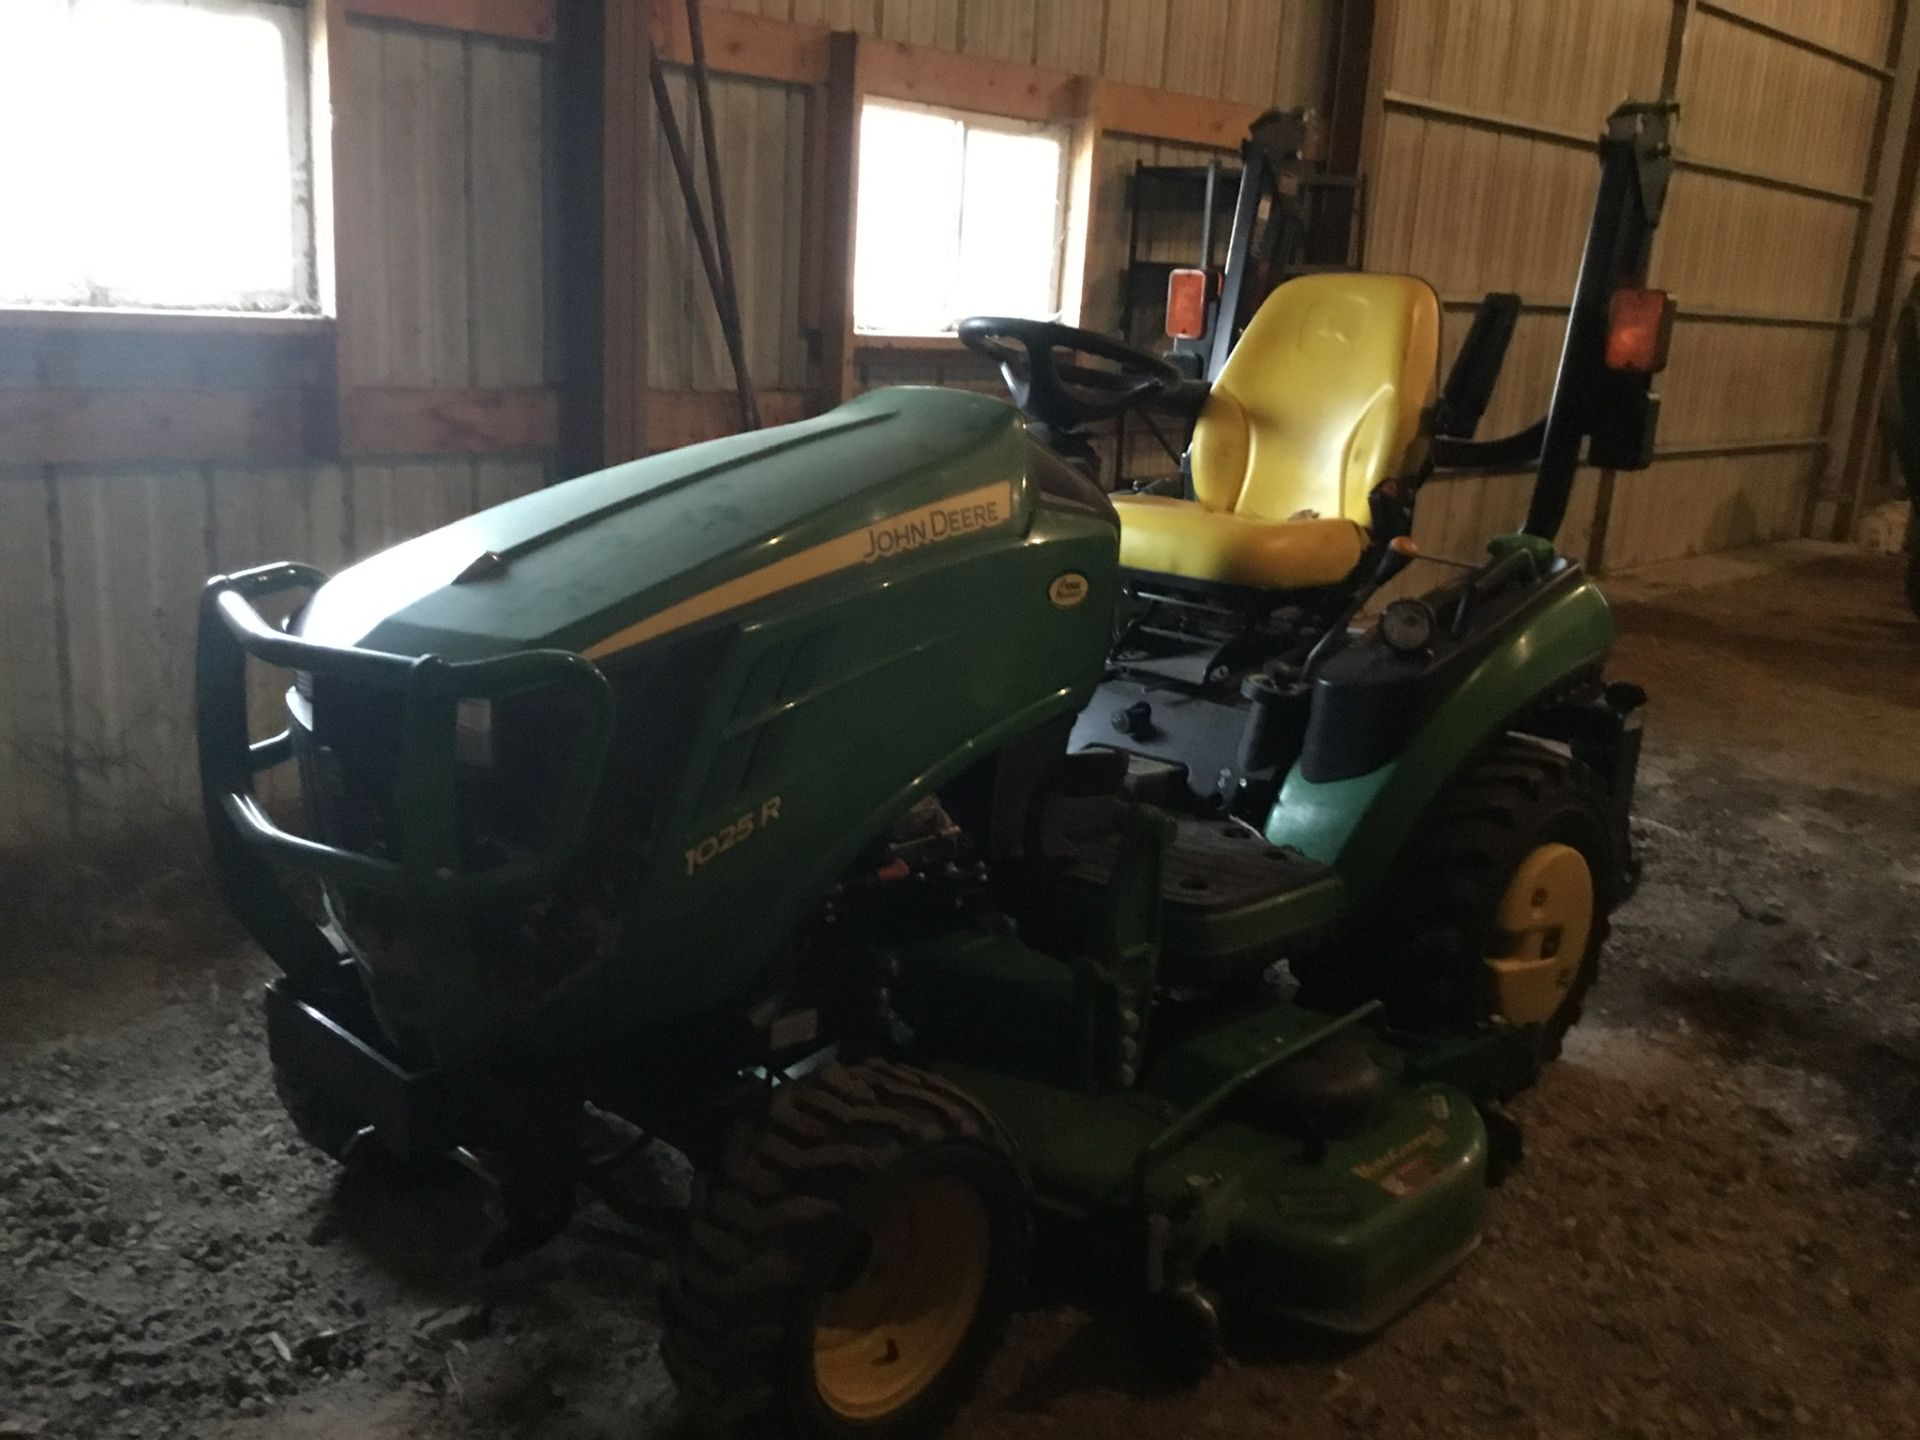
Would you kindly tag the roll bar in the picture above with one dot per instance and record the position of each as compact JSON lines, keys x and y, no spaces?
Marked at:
{"x":1608,"y":413}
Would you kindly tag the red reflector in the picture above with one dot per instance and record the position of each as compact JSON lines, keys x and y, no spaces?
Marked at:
{"x":1187,"y":304}
{"x":1638,"y":328}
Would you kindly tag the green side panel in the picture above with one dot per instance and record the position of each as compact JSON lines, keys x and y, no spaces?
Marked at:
{"x":1205,"y":944}
{"x":986,"y":996}
{"x":1358,"y":825}
{"x":827,"y":713}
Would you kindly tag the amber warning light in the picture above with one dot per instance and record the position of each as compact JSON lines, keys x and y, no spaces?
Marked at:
{"x":1187,"y":295}
{"x":1638,"y":329}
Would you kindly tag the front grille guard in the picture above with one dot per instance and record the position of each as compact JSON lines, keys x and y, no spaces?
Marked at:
{"x":425,"y":865}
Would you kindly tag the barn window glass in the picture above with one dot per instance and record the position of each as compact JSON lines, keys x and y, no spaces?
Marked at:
{"x":155,"y":153}
{"x":958,"y":215}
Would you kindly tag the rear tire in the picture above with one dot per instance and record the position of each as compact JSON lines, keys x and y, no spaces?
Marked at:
{"x":1913,"y":579}
{"x":1495,"y":841}
{"x":852,"y":1265}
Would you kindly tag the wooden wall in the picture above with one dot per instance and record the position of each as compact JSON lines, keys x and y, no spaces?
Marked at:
{"x":1256,"y":51}
{"x":101,"y":563}
{"x":1483,"y":180}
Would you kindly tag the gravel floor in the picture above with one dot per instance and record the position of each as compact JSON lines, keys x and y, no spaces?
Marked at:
{"x":1713,"y":1234}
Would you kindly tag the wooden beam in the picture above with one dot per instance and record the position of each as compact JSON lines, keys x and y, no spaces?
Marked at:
{"x":892,"y":71}
{"x":1371,"y":142}
{"x":163,"y":324}
{"x":329,"y":115}
{"x":742,"y":44}
{"x":686,"y":417}
{"x":381,"y":421}
{"x":626,"y":192}
{"x":1880,"y":249}
{"x":1164,"y":115}
{"x":1353,"y":90}
{"x":799,"y":54}
{"x":578,"y":149}
{"x":530,"y":20}
{"x":840,"y":168}
{"x":75,"y":426}
{"x":1082,"y":236}
{"x":1793,"y":38}
{"x":899,"y":345}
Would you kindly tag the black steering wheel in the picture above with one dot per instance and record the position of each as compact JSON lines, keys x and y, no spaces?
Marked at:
{"x":1064,"y":397}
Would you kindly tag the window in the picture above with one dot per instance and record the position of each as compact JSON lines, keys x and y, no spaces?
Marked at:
{"x":959,"y":215}
{"x":155,"y":153}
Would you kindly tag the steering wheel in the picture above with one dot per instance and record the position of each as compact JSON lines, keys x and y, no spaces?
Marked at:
{"x":1065,"y":397}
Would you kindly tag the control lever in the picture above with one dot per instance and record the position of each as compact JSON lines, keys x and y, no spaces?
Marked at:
{"x":1400,"y":553}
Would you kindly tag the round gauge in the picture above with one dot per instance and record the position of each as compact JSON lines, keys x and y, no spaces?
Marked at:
{"x":1407,"y":626}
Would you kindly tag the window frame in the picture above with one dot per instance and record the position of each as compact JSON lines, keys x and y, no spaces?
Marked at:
{"x":301,"y":303}
{"x":1061,"y":131}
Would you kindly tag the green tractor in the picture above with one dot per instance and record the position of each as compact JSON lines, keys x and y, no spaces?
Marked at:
{"x":913,"y":835}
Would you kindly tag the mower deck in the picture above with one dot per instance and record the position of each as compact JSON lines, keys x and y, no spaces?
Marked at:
{"x":1343,"y":1233}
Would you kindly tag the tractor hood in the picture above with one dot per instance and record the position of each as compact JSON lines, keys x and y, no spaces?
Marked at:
{"x":600,"y":564}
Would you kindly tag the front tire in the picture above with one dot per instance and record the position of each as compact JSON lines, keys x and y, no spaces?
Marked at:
{"x":853,"y":1264}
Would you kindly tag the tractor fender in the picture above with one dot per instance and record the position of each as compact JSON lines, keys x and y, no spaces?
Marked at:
{"x":1360,"y":823}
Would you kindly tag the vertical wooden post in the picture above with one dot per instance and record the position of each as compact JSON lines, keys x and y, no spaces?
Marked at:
{"x":1083,"y":194}
{"x":1362,"y":77}
{"x":577,"y":153}
{"x":840,"y":185}
{"x":627,"y":147}
{"x":329,"y":115}
{"x":1354,"y":98}
{"x":1858,"y":373}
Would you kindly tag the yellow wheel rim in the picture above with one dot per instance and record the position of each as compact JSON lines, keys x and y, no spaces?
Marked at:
{"x":1540,"y":934}
{"x":883,"y":1338}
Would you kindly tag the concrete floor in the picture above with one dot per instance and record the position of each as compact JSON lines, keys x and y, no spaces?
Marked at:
{"x":1713,"y":1234}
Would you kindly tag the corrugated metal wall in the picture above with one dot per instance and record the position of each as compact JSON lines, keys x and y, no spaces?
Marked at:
{"x":100,"y":567}
{"x":1485,"y":181}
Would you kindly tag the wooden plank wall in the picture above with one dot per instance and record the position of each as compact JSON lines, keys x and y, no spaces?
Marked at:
{"x":101,"y":565}
{"x":1484,"y":180}
{"x":1256,"y":51}
{"x":762,"y":132}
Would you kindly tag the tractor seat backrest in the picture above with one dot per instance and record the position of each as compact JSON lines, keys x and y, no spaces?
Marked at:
{"x":1321,"y":400}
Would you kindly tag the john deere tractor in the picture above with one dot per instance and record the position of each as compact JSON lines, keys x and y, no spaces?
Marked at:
{"x":924,"y":841}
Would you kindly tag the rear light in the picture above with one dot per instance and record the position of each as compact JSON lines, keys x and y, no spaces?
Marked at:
{"x":1639,"y":325}
{"x":1187,"y":294}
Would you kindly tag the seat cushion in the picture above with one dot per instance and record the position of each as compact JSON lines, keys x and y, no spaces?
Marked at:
{"x":1321,"y":399}
{"x":1178,"y":537}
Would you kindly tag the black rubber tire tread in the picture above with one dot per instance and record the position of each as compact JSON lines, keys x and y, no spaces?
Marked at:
{"x":760,"y":1238}
{"x":1422,"y":956}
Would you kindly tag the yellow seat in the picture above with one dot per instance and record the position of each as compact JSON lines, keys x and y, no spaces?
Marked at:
{"x":1323,"y":399}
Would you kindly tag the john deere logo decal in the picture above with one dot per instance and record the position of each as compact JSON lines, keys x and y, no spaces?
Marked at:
{"x":930,"y":524}
{"x":1068,"y":590}
{"x":953,"y":518}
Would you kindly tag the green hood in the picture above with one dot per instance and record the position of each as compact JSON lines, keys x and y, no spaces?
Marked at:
{"x":581,"y":564}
